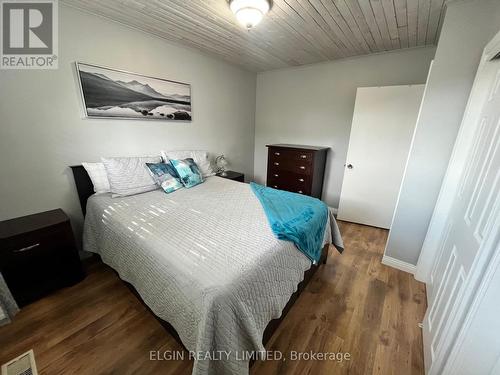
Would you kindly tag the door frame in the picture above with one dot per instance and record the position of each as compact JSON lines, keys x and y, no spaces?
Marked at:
{"x":488,"y":257}
{"x":449,"y":189}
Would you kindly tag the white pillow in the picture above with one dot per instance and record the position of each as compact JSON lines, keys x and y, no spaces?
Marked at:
{"x":129,"y":176}
{"x":200,"y":158}
{"x":98,"y":176}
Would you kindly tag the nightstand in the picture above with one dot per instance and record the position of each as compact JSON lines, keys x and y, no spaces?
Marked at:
{"x":38,"y":255}
{"x":232,"y":175}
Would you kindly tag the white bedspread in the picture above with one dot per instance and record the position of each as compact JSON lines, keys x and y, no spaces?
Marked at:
{"x":203,"y":259}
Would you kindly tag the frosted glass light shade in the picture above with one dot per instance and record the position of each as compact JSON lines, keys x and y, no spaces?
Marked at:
{"x":249,"y":12}
{"x":221,"y":161}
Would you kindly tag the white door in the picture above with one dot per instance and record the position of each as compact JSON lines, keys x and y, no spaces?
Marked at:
{"x":467,"y":213}
{"x":477,"y":350}
{"x":382,"y":129}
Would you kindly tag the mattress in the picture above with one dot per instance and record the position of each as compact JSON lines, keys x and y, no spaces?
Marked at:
{"x":203,"y":259}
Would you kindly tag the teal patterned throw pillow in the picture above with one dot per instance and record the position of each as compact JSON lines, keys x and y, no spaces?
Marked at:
{"x":165,"y":176}
{"x":188,"y":172}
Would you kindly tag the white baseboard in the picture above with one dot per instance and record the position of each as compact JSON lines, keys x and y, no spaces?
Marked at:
{"x":399,"y":264}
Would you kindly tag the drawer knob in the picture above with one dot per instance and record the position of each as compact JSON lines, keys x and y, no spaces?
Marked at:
{"x":275,"y":163}
{"x":276,"y":175}
{"x":301,"y":179}
{"x":303,"y":156}
{"x":277,"y":153}
{"x":300,"y":192}
{"x":302,"y":167}
{"x":27,"y":248}
{"x":275,"y":186}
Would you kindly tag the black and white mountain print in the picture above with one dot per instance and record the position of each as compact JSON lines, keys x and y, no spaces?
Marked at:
{"x":112,"y":93}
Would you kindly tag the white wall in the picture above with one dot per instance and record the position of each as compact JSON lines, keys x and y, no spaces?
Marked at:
{"x":468,"y":27}
{"x":314,"y":105}
{"x":42,"y":131}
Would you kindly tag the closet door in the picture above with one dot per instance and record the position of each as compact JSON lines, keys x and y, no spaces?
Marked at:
{"x":466,"y":220}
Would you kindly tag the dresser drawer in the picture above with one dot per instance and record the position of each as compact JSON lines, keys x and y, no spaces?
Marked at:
{"x":285,"y":177}
{"x":33,"y":276}
{"x":295,"y":166}
{"x":19,"y":247}
{"x":289,"y":187}
{"x":298,"y":155}
{"x":289,"y":181}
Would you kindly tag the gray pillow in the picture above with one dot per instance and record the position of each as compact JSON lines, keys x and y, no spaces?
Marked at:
{"x":129,"y":176}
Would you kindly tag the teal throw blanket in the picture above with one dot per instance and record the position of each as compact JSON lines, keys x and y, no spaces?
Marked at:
{"x":294,"y":217}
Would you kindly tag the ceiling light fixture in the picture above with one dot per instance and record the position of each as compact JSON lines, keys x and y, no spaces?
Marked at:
{"x":250,"y":12}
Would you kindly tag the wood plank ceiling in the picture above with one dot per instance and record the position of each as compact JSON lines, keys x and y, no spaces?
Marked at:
{"x":294,"y":32}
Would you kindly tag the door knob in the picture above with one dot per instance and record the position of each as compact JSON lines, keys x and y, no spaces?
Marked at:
{"x":350,"y":166}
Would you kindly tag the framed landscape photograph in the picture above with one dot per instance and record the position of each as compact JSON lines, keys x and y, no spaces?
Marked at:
{"x":111,"y":93}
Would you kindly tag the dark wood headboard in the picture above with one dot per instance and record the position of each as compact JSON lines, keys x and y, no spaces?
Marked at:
{"x":84,"y":185}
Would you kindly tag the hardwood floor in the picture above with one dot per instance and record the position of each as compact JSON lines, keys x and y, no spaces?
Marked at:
{"x":354,"y":305}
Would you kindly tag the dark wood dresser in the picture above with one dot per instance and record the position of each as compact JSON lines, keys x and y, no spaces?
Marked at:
{"x":38,"y":255}
{"x":296,"y":168}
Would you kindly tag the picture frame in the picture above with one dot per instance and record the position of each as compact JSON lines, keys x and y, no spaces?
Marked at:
{"x":109,"y":93}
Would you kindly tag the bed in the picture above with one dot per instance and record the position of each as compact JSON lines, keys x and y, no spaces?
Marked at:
{"x":204,"y":260}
